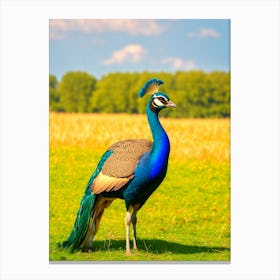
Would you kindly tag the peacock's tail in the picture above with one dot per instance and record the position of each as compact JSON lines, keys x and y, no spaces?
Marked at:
{"x":88,"y":216}
{"x":81,"y":226}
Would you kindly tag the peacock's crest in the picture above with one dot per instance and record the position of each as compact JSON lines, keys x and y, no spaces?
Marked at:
{"x":151,"y":87}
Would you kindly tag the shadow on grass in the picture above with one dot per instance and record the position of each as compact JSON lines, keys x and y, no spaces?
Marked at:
{"x":157,"y":246}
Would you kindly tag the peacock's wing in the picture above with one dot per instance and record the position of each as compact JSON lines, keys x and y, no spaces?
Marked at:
{"x":120,"y":166}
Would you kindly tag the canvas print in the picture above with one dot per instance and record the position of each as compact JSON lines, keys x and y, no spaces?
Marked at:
{"x":139,"y":140}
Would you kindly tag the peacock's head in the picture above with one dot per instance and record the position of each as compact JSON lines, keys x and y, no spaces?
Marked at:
{"x":159,"y":100}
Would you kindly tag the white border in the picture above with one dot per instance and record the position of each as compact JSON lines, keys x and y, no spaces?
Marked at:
{"x":255,"y":137}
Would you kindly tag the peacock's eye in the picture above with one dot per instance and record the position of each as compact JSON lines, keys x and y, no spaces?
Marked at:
{"x":162,"y":99}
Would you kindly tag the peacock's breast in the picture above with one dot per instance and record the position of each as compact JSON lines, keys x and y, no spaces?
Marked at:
{"x":157,"y":169}
{"x":151,"y":168}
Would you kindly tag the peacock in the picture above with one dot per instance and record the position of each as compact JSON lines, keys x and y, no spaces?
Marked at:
{"x":130,"y":170}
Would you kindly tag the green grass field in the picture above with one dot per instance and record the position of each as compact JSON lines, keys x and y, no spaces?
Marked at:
{"x":186,"y":219}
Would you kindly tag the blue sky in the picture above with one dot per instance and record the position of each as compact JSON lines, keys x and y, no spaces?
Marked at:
{"x":102,"y":46}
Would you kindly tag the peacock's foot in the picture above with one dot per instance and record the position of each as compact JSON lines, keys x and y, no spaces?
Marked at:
{"x":128,"y":253}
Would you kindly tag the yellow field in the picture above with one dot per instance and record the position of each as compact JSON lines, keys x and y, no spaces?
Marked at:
{"x":205,"y":139}
{"x":188,"y":217}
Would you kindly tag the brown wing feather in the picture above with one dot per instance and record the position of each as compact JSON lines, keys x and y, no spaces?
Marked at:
{"x":126,"y":154}
{"x":119,"y":168}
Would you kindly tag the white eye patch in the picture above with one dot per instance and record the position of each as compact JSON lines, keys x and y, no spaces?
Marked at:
{"x":158,"y":102}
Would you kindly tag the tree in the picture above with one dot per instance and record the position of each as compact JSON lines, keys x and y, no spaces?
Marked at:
{"x":54,"y":98}
{"x":198,"y":94}
{"x":116,"y":92}
{"x":201,"y":94}
{"x":76,"y":89}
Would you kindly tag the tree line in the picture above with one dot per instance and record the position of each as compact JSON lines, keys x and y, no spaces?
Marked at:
{"x":197,"y":94}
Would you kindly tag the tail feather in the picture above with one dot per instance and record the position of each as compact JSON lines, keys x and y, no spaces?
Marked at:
{"x":81,"y":225}
{"x":85,"y":212}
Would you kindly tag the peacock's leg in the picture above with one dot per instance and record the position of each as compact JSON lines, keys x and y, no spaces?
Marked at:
{"x":127,"y":221}
{"x":100,"y":206}
{"x":134,"y":222}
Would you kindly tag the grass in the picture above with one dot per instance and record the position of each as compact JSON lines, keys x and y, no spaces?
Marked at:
{"x":186,"y":219}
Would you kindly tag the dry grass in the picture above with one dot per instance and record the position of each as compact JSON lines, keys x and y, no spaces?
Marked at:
{"x":206,"y":139}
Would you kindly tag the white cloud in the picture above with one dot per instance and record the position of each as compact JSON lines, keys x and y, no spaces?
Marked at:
{"x":205,"y":32}
{"x":179,"y":64}
{"x":130,"y":53}
{"x":146,"y":27}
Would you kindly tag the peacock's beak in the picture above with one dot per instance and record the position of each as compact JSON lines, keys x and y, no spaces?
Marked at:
{"x":170,"y":104}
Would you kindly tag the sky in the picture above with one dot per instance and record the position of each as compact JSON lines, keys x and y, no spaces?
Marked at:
{"x":101,"y":46}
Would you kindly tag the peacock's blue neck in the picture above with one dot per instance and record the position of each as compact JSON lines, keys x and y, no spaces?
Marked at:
{"x":161,"y":145}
